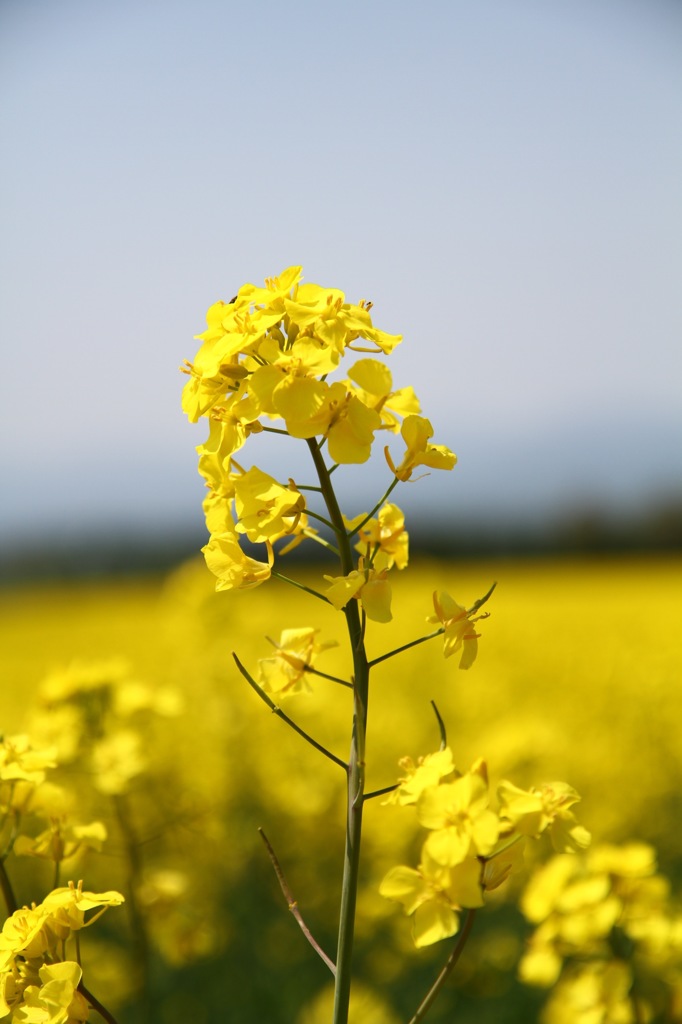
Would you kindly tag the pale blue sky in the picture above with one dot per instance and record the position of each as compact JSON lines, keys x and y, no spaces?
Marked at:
{"x":501,"y":177}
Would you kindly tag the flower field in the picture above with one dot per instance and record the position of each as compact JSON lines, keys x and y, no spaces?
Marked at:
{"x":167,"y":764}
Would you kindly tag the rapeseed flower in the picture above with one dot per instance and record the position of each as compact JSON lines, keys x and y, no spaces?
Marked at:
{"x":459,"y":818}
{"x":533,"y":811}
{"x":458,"y":630}
{"x":368,"y":586}
{"x":383,"y":540}
{"x":285,"y":672}
{"x":234,"y":569}
{"x":416,"y":431}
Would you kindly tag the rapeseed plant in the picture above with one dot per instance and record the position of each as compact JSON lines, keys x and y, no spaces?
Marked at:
{"x":263,"y":366}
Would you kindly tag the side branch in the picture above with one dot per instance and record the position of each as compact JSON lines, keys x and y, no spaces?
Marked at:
{"x":96,"y":1005}
{"x":325,"y":675}
{"x":293,"y":905}
{"x":380,"y":792}
{"x":285,"y":718}
{"x":445,"y":970}
{"x":406,"y":647}
{"x":299,"y":586}
{"x":394,"y":482}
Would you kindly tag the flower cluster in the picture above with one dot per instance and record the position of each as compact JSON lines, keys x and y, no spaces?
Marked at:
{"x":26,"y":796}
{"x":264,"y":364}
{"x":470,"y":848}
{"x":607,"y":937}
{"x":37,"y":981}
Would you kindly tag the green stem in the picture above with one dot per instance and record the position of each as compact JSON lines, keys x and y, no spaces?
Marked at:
{"x":300,"y":586}
{"x":445,"y":970}
{"x":405,"y":647}
{"x":325,"y":675}
{"x":96,"y":1005}
{"x":376,"y":508}
{"x":356,"y":764}
{"x":7,"y":890}
{"x":293,"y":904}
{"x":285,"y":718}
{"x":141,"y":949}
{"x":320,"y":519}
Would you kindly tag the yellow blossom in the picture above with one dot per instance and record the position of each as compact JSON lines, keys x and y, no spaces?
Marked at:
{"x":61,"y":841}
{"x":313,"y":408}
{"x":460,"y":821}
{"x":368,"y":586}
{"x":234,"y":569}
{"x":285,"y":672}
{"x":459,"y":632}
{"x":428,"y":771}
{"x":20,"y":762}
{"x":372,"y":382}
{"x":25,"y":932}
{"x":596,"y":993}
{"x":416,"y":432}
{"x":265,"y":510}
{"x":66,"y":907}
{"x":434,"y":895}
{"x":532,"y":811}
{"x":56,"y":1000}
{"x":383,"y":539}
{"x":116,"y":759}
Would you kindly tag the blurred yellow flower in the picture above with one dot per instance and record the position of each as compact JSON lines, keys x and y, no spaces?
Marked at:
{"x":548,"y":807}
{"x":428,"y":771}
{"x":19,"y":761}
{"x":285,"y":672}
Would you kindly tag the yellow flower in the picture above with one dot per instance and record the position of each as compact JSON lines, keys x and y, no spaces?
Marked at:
{"x":19,"y":761}
{"x":428,"y":771}
{"x":25,"y":933}
{"x":266,"y":511}
{"x":416,"y":432}
{"x":67,"y":906}
{"x":384,"y":537}
{"x":595,"y":993}
{"x":372,"y":382}
{"x":459,"y":819}
{"x":533,"y":811}
{"x":313,"y":408}
{"x":234,"y":569}
{"x":285,"y":672}
{"x":459,"y":632}
{"x":434,"y":894}
{"x":116,"y":759}
{"x":61,"y":841}
{"x":56,"y":1000}
{"x":435,"y":917}
{"x":369,"y":587}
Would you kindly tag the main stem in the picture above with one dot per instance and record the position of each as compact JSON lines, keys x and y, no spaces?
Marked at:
{"x":356,"y":761}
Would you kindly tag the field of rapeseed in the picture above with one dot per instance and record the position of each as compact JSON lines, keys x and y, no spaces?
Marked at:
{"x":143,"y":755}
{"x":165,"y":750}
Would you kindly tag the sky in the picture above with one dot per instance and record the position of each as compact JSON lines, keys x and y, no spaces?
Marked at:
{"x":500,"y":177}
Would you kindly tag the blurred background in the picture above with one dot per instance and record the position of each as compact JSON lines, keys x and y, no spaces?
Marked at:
{"x":501,"y":179}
